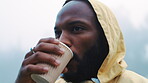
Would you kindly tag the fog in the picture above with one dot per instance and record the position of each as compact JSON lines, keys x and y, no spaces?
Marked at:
{"x":24,"y":22}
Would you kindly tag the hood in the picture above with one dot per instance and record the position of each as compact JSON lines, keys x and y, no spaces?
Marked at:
{"x":113,"y":64}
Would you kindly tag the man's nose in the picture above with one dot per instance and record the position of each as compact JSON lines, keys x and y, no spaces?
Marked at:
{"x":64,"y":38}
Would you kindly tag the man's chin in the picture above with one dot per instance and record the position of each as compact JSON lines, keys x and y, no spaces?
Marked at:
{"x":72,"y":77}
{"x":80,"y":70}
{"x":76,"y":73}
{"x":72,"y":74}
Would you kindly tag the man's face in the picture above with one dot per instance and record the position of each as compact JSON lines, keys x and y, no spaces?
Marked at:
{"x":76,"y":27}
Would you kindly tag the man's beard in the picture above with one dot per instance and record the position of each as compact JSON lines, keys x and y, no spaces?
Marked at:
{"x":88,"y":67}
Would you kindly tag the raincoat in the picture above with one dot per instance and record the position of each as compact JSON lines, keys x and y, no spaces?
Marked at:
{"x":113,"y":69}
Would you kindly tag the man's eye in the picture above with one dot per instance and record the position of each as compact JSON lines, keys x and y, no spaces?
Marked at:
{"x":78,"y":28}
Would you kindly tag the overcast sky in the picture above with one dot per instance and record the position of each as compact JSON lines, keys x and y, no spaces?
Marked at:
{"x":24,"y":22}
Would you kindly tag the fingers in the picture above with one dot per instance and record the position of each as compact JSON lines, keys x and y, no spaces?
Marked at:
{"x":49,"y":48}
{"x":48,"y":45}
{"x":44,"y":52}
{"x":29,"y":64}
{"x":28,"y":54}
{"x":49,"y":40}
{"x":30,"y":69}
{"x":41,"y":57}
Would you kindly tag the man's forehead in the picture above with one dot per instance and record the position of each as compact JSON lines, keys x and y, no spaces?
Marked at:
{"x":75,"y":8}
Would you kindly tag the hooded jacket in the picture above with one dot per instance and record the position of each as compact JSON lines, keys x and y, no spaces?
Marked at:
{"x":113,"y":69}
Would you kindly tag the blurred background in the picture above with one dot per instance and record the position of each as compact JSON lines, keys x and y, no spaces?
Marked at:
{"x":24,"y":22}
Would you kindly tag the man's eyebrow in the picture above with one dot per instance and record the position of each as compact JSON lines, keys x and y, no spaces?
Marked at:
{"x":76,"y":22}
{"x":71,"y":23}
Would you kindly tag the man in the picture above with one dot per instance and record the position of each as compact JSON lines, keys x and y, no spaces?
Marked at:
{"x":91,"y":31}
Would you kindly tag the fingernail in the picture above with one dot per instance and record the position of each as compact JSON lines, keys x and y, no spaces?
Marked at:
{"x":62,"y":51}
{"x":56,"y":40}
{"x":46,"y":69}
{"x":57,"y":62}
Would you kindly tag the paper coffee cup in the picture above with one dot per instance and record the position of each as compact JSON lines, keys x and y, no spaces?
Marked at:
{"x":54,"y":72}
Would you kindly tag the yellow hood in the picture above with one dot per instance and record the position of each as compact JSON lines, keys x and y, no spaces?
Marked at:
{"x":113,"y":64}
{"x":112,"y":69}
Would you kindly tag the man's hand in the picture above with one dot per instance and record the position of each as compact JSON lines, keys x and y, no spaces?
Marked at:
{"x":44,"y":51}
